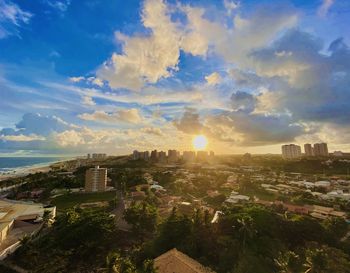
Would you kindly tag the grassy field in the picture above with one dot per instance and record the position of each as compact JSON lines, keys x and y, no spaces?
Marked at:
{"x":69,"y":200}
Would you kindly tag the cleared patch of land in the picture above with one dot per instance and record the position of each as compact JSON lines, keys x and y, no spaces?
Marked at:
{"x":70,"y":200}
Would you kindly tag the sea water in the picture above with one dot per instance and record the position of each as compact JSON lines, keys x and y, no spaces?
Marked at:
{"x":11,"y":164}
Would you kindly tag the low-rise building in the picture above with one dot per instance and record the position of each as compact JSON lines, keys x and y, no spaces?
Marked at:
{"x":235,"y":198}
{"x":16,"y":214}
{"x":321,"y":212}
{"x":175,"y":261}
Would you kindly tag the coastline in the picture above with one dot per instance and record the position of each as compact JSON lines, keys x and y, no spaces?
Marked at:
{"x":30,"y":169}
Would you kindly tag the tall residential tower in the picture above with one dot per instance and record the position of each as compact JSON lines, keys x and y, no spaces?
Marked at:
{"x":95,"y":179}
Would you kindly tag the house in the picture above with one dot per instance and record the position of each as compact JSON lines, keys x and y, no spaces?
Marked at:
{"x":321,"y":212}
{"x":292,"y":208}
{"x":175,"y":261}
{"x":235,"y":198}
{"x":323,"y":184}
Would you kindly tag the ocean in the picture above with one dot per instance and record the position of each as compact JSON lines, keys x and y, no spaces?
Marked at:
{"x":9,"y":164}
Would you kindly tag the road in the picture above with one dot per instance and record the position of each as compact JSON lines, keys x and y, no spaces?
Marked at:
{"x":119,"y":212}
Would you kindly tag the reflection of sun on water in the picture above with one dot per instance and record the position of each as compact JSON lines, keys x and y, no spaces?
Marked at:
{"x":199,"y":142}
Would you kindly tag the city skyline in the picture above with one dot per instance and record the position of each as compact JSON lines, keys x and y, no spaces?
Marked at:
{"x":238,"y":76}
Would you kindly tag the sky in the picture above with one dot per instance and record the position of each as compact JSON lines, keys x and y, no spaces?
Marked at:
{"x":114,"y":76}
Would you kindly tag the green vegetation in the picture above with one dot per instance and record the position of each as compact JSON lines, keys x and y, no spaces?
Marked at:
{"x":164,"y":178}
{"x":249,"y":239}
{"x":142,"y":217}
{"x":253,"y":239}
{"x":5,"y":269}
{"x":80,"y":241}
{"x":70,"y":200}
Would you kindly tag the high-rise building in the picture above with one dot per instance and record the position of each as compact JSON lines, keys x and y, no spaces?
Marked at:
{"x":202,"y":155}
{"x":189,"y":156}
{"x":154,"y":155}
{"x":309,"y":151}
{"x":172,"y":156}
{"x":95,"y":179}
{"x":291,"y":151}
{"x":162,"y":156}
{"x":145,"y":155}
{"x":98,"y":156}
{"x":321,"y":149}
{"x":135,"y":155}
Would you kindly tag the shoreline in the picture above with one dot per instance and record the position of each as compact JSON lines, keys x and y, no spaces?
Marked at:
{"x":30,"y":169}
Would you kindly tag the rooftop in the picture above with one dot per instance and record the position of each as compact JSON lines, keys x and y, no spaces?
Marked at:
{"x":175,"y":261}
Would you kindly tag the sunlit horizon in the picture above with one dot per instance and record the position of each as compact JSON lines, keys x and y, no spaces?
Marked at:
{"x":250,"y":76}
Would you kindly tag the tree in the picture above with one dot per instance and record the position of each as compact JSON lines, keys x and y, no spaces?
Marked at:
{"x":336,"y":227}
{"x":288,"y":262}
{"x":315,"y":261}
{"x":117,"y":264}
{"x":246,"y":229}
{"x":142,"y":217}
{"x":147,"y":267}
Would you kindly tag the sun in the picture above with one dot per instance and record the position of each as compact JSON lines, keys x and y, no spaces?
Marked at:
{"x":199,"y":142}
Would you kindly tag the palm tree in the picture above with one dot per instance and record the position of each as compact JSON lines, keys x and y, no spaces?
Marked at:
{"x":117,"y":264}
{"x":246,"y":230}
{"x":315,"y":261}
{"x":286,"y":262}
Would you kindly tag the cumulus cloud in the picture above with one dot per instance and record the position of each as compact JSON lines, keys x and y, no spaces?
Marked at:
{"x":243,"y":101}
{"x":77,"y":79}
{"x":145,"y":59}
{"x":21,"y":137}
{"x":257,"y":129}
{"x":40,"y":125}
{"x":152,"y":131}
{"x":189,"y":122}
{"x":234,"y":44}
{"x":88,"y":101}
{"x":230,"y":6}
{"x":12,"y":17}
{"x":213,"y":78}
{"x":33,"y":132}
{"x":310,"y":85}
{"x":127,"y":115}
{"x":240,"y":127}
{"x":69,"y":138}
{"x":89,"y":80}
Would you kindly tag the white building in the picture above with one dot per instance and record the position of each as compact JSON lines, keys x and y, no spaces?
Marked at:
{"x":189,"y":156}
{"x":309,"y":150}
{"x":291,"y":151}
{"x":321,"y":149}
{"x":96,"y":179}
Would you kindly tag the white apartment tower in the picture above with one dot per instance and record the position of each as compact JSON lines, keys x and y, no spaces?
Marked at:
{"x":291,"y":151}
{"x":95,"y":179}
{"x":309,"y":150}
{"x":321,"y":149}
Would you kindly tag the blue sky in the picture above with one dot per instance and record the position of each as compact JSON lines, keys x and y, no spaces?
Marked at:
{"x":113,"y":76}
